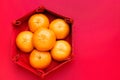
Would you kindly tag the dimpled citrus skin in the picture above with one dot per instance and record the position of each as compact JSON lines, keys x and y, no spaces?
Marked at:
{"x":24,"y":41}
{"x":44,"y":39}
{"x":39,"y":60}
{"x":60,"y":28}
{"x":61,"y":50}
{"x":37,"y":21}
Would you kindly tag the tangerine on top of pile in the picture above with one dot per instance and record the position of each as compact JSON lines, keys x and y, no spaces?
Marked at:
{"x":44,"y":39}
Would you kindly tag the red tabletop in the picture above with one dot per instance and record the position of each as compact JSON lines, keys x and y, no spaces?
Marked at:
{"x":96,"y":39}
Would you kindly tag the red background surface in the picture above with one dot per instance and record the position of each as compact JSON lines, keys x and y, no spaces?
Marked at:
{"x":96,"y":39}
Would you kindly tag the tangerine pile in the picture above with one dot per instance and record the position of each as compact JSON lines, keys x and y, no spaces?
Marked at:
{"x":44,"y":41}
